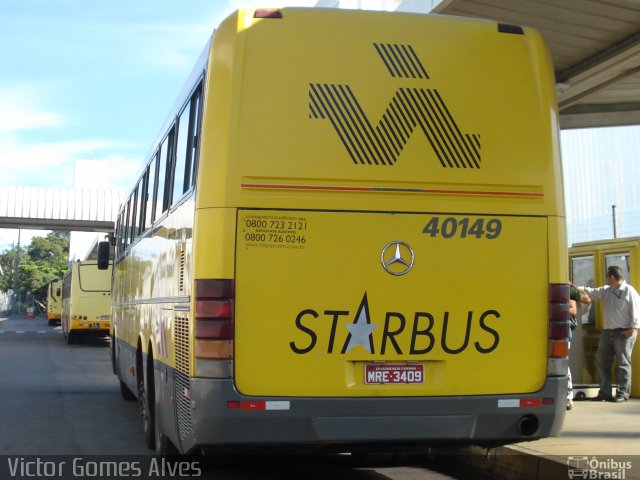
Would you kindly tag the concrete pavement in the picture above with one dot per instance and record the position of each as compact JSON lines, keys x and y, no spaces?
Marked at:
{"x":599,"y":440}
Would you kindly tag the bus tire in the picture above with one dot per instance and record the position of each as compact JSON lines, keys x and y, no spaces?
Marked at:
{"x":146,"y":399}
{"x":112,"y":346}
{"x":126,"y":394}
{"x":71,"y":337}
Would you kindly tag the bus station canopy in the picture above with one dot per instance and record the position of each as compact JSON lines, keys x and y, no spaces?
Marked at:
{"x":595,"y":46}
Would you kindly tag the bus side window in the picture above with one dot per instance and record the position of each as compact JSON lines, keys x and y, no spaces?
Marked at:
{"x":164,"y":168}
{"x":186,"y":147}
{"x":125,"y":234}
{"x":179,"y":184}
{"x":66,"y":286}
{"x":117,"y":236}
{"x":120,"y":233}
{"x":134,"y":210}
{"x":140,"y":207}
{"x":152,"y":191}
{"x":194,"y":136}
{"x":142,"y":201}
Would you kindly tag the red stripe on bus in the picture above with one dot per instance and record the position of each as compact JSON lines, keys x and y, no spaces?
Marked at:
{"x":391,"y":190}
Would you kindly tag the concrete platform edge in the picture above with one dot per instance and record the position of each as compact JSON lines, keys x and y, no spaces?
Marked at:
{"x":506,"y":463}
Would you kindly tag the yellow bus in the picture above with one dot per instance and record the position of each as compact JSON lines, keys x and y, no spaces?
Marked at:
{"x":86,"y":301}
{"x":589,"y":262}
{"x":54,"y":302}
{"x":350,"y":233}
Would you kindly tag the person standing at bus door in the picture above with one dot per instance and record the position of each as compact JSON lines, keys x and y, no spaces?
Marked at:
{"x":575,"y":296}
{"x":621,"y":304}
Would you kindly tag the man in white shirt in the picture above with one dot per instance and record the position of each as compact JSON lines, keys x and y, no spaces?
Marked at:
{"x":621,"y":304}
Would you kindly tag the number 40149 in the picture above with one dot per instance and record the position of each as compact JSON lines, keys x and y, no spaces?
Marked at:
{"x":450,"y":227}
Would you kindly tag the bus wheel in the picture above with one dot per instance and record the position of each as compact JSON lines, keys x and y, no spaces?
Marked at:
{"x":71,"y":337}
{"x":145,"y":400}
{"x":126,"y":393}
{"x":112,"y":347}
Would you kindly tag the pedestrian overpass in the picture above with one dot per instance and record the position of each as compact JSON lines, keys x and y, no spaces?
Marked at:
{"x":66,"y":209}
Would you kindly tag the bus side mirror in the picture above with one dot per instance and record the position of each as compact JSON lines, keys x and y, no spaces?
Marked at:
{"x":103,"y":255}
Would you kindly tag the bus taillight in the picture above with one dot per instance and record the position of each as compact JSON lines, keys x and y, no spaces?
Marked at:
{"x":558,"y":354}
{"x":214,"y":309}
{"x":214,"y":325}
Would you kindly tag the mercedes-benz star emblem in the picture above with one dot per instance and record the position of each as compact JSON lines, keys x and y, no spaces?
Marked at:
{"x":397,"y":258}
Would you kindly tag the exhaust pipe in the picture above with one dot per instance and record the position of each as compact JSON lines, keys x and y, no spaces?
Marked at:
{"x":528,"y":425}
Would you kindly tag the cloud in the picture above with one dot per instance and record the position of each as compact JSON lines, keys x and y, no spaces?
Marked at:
{"x":53,"y":163}
{"x":123,"y":171}
{"x":30,"y":153}
{"x":172,"y":45}
{"x":22,"y":109}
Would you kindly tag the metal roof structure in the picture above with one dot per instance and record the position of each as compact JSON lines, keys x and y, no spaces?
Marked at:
{"x":86,"y":210}
{"x":595,"y":46}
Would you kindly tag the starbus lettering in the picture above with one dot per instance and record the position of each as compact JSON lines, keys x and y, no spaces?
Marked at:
{"x":415,"y":333}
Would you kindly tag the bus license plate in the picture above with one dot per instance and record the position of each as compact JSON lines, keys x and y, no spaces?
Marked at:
{"x":375,"y":374}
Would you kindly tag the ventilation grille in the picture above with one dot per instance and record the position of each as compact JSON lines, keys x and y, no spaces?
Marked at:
{"x":183,"y":405}
{"x":183,"y":380}
{"x":183,"y":352}
{"x":181,"y":274}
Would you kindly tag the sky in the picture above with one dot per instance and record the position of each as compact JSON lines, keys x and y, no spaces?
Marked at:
{"x":93,"y":80}
{"x":601,"y":169}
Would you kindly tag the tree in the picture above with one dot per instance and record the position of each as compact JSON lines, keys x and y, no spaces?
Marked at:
{"x":8,"y":263}
{"x":44,"y":260}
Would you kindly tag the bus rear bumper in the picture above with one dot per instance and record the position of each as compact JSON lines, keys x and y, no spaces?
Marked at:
{"x":226,"y":418}
{"x":100,"y":327}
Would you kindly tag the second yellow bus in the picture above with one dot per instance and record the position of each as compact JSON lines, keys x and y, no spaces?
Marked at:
{"x":86,"y":301}
{"x":54,"y":302}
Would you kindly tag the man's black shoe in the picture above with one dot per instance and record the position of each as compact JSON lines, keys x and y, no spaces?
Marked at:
{"x":601,"y":398}
{"x":619,"y":399}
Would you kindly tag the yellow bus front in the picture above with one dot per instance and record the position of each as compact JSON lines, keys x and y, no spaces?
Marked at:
{"x":54,"y":302}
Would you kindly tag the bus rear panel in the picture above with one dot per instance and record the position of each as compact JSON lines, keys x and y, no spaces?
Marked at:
{"x":86,"y":301}
{"x":374,"y":251}
{"x":395,"y":183}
